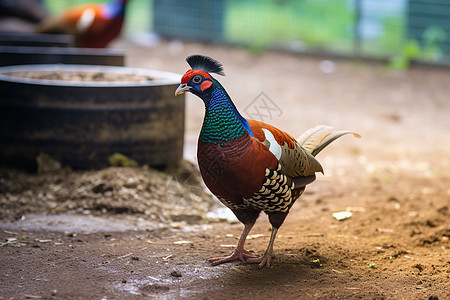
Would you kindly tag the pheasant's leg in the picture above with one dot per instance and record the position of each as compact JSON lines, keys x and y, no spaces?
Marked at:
{"x":276,"y":219}
{"x":267,"y":257}
{"x":239,"y":253}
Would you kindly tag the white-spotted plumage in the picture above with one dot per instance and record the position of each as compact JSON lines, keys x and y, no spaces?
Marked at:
{"x":295,"y":169}
{"x":275,"y":195}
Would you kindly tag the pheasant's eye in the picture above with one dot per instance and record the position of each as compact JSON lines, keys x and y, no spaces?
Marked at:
{"x":197,"y":79}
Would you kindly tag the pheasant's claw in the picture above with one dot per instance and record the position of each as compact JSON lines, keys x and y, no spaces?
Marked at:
{"x":265,"y":261}
{"x":242,"y":255}
{"x":262,"y":261}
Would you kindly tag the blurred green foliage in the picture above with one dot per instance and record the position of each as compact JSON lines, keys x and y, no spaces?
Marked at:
{"x":318,"y":24}
{"x":391,"y":40}
{"x":409,"y":52}
{"x":433,"y":37}
{"x":314,"y":22}
{"x":431,"y":50}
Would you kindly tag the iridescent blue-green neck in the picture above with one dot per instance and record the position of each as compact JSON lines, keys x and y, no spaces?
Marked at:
{"x":222,"y":121}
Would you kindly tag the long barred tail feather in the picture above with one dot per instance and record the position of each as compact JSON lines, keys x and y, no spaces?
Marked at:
{"x":317,"y":138}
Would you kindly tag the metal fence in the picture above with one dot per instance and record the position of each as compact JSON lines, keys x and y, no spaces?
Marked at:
{"x":429,"y":24}
{"x":414,"y":29}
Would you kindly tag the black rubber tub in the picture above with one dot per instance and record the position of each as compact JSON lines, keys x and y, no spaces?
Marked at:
{"x":35,"y":39}
{"x":12,"y":55}
{"x":81,"y":124}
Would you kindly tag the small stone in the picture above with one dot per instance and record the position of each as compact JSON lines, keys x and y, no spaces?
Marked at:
{"x":175,"y":273}
{"x":47,"y":164}
{"x":342,"y":215}
{"x":316,"y":263}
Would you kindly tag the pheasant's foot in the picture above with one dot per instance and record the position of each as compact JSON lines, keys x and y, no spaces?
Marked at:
{"x":242,"y":255}
{"x":262,"y":261}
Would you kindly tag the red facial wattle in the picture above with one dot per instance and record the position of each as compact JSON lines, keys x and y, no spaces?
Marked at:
{"x":206,"y":84}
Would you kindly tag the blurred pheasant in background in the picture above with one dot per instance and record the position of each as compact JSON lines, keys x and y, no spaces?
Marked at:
{"x":93,"y":25}
{"x":249,"y":165}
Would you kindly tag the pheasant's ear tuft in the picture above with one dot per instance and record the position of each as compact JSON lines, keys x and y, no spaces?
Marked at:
{"x":205,"y":63}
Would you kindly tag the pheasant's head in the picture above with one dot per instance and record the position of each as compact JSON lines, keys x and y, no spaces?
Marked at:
{"x":197,"y":80}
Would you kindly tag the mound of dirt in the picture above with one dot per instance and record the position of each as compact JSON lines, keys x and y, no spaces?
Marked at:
{"x":175,"y":194}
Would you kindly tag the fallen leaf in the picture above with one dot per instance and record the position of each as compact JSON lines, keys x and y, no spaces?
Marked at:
{"x":182,"y":242}
{"x":255,"y":236}
{"x":124,"y":256}
{"x":167,"y":257}
{"x":28,"y":296}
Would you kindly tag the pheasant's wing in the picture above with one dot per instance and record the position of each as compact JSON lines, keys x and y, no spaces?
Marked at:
{"x":295,"y":169}
{"x":294,"y":159}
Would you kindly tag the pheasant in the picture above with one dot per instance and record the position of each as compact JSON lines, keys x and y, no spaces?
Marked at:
{"x":248,"y":165}
{"x":93,"y":25}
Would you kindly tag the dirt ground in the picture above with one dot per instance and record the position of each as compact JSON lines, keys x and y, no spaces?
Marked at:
{"x":132,"y":233}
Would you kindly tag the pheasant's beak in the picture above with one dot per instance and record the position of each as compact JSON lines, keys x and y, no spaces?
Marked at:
{"x":181,"y":89}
